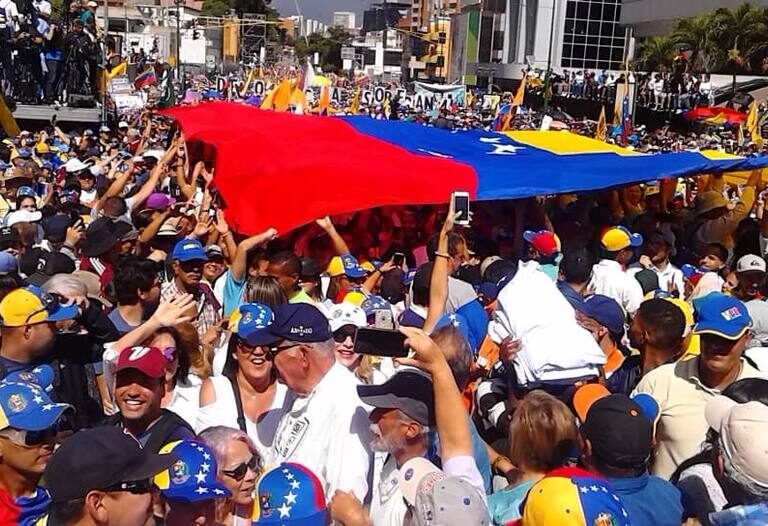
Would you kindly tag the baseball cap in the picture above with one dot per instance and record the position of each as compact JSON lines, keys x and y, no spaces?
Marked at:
{"x":438,"y":499}
{"x":573,"y":497}
{"x":345,"y":265}
{"x":49,"y":264}
{"x":8,"y":263}
{"x":750,"y":263}
{"x":721,"y":315}
{"x":102,"y":235}
{"x":346,"y":313}
{"x":104,"y":129}
{"x":214,"y":251}
{"x":25,"y":191}
{"x":99,"y":458}
{"x":31,"y":305}
{"x":544,"y":241}
{"x":192,"y":477}
{"x":149,"y":360}
{"x":301,"y":323}
{"x":122,"y":124}
{"x":289,"y":494}
{"x":250,"y":322}
{"x":408,"y":390}
{"x":605,"y":311}
{"x":27,"y":407}
{"x":189,"y":250}
{"x":373,"y":303}
{"x":618,"y":238}
{"x":742,"y":429}
{"x":159,"y":200}
{"x":23,"y":216}
{"x":75,"y":165}
{"x":169,"y":228}
{"x":41,"y":375}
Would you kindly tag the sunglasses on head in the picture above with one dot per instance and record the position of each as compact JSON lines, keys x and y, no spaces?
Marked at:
{"x":239,"y":472}
{"x":136,"y":487}
{"x":340,"y":335}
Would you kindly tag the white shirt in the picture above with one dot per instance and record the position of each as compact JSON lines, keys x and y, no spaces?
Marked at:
{"x":670,"y":274}
{"x":328,"y":431}
{"x":609,"y":279}
{"x":387,"y":506}
{"x":11,"y":13}
{"x":185,"y":401}
{"x":223,"y":412}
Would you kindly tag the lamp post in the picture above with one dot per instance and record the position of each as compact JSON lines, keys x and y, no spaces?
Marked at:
{"x":177,"y":3}
{"x":547,"y":78}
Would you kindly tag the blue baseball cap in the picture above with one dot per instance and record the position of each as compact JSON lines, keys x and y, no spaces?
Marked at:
{"x":351,"y":267}
{"x":189,"y":250}
{"x":27,"y":407}
{"x":8,"y":263}
{"x":301,"y":323}
{"x":25,"y":191}
{"x":192,"y":477}
{"x":373,"y":303}
{"x":605,"y":311}
{"x":251,"y":321}
{"x":722,"y":315}
{"x":42,"y":376}
{"x":289,"y":494}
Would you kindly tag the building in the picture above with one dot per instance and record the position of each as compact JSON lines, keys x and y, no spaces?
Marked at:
{"x":302,"y":26}
{"x":344,"y":19}
{"x":496,"y":39}
{"x":656,"y":17}
{"x":425,"y":12}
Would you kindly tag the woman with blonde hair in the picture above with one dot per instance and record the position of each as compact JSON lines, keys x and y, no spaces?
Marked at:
{"x":542,"y":437}
{"x":239,"y":466}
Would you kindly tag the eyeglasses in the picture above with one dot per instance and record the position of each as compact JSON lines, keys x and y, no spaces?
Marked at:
{"x":168,"y":352}
{"x":136,"y":487}
{"x":24,"y":438}
{"x":239,"y":472}
{"x":342,"y":334}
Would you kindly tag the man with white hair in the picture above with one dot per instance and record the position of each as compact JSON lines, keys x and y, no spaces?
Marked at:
{"x":327,"y":427}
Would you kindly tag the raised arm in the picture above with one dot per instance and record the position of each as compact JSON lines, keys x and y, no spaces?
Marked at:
{"x":339,"y":245}
{"x":240,"y":262}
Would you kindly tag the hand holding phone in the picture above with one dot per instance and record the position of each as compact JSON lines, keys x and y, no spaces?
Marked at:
{"x":380,"y":342}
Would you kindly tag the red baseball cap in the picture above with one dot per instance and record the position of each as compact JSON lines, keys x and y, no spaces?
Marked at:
{"x":545,"y":242}
{"x":149,"y":360}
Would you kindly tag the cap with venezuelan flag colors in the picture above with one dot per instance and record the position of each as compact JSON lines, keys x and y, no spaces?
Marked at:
{"x":345,"y":265}
{"x":289,"y":494}
{"x":249,"y":322}
{"x":573,"y":497}
{"x":31,"y":305}
{"x":27,"y":407}
{"x":545,"y":242}
{"x":193,"y":476}
{"x":618,"y":238}
{"x":721,"y":315}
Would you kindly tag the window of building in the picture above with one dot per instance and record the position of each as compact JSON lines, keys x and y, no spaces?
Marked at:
{"x":593,"y":38}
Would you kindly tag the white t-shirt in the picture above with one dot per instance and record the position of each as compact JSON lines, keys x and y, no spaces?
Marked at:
{"x":185,"y":401}
{"x":387,"y":505}
{"x":223,"y":412}
{"x":329,"y":432}
{"x":609,"y":279}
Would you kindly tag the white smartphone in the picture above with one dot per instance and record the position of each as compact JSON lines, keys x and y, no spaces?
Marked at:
{"x":461,"y":207}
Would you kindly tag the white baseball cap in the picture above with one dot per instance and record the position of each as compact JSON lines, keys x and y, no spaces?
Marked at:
{"x":23,"y":216}
{"x":75,"y":165}
{"x":742,"y":428}
{"x":122,"y":124}
{"x":346,"y":313}
{"x":750,"y":263}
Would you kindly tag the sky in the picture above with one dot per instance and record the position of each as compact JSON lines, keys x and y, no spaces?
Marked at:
{"x":321,"y":9}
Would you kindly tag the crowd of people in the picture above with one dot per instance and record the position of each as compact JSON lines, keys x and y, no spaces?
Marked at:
{"x":47,"y":56}
{"x":585,"y":359}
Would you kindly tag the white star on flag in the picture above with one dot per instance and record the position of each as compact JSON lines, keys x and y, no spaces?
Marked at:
{"x":205,"y":466}
{"x":38,"y":399}
{"x":285,"y":511}
{"x":286,"y":470}
{"x":37,"y":370}
{"x":201,"y":491}
{"x":207,"y":456}
{"x":295,"y":484}
{"x":200,"y":449}
{"x":289,"y":476}
{"x":594,"y":488}
{"x":200,"y":476}
{"x":504,"y":149}
{"x":584,"y":489}
{"x":47,"y":407}
{"x":218,"y":491}
{"x":491,"y":140}
{"x":290,"y":498}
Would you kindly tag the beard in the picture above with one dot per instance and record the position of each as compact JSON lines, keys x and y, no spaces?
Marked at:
{"x":385,"y":444}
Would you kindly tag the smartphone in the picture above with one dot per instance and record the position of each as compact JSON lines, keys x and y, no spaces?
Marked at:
{"x":380,"y":342}
{"x":383,"y":319}
{"x":398,"y":259}
{"x":461,"y":207}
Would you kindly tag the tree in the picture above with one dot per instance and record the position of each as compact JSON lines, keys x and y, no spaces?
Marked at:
{"x":658,"y":53}
{"x":695,"y":35}
{"x":740,"y":32}
{"x":328,"y":46}
{"x":215,"y":8}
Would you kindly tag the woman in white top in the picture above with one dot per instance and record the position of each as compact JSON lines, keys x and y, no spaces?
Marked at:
{"x":239,"y":465}
{"x":250,"y":376}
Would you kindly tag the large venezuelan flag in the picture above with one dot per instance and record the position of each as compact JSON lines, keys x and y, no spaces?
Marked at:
{"x":282,"y":170}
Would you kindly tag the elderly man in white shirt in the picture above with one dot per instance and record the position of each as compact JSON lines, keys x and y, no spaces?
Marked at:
{"x":608,"y":275}
{"x":657,"y":247}
{"x":327,"y":427}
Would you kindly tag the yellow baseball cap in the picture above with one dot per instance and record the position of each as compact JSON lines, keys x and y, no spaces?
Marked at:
{"x":31,"y":305}
{"x":618,"y":238}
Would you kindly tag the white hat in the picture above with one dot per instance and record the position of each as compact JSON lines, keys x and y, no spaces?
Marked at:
{"x":346,"y":313}
{"x":750,"y":263}
{"x":104,"y":129}
{"x":75,"y":165}
{"x":92,"y":4}
{"x":22,"y":216}
{"x":169,"y":228}
{"x":742,"y":428}
{"x":122,"y":124}
{"x":157,"y":154}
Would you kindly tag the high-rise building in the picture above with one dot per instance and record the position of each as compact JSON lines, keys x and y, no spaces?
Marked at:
{"x":344,"y":19}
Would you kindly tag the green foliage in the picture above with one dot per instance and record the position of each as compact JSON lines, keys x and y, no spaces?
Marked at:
{"x":327,"y":45}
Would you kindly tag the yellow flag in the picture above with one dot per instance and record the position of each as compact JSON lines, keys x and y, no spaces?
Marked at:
{"x":325,"y":100}
{"x":753,"y":125}
{"x":469,"y":99}
{"x":353,"y":107}
{"x":520,"y":94}
{"x":602,"y":126}
{"x":299,"y":101}
{"x":7,"y":122}
{"x":386,"y":107}
{"x":117,"y":70}
{"x":740,"y":136}
{"x":280,"y":97}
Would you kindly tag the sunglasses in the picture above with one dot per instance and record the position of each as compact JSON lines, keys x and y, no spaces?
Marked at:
{"x":239,"y":472}
{"x":30,"y":438}
{"x":135,"y":487}
{"x":342,"y":334}
{"x":272,"y":351}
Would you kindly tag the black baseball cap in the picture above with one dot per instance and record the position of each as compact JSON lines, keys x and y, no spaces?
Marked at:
{"x":49,"y":264}
{"x":98,"y":459}
{"x":301,"y":323}
{"x":409,"y":390}
{"x":620,"y":431}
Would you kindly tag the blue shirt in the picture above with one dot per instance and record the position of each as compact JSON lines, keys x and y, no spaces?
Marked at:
{"x":649,"y":500}
{"x":573,"y":297}
{"x":233,"y":293}
{"x":479,"y":453}
{"x":504,"y":505}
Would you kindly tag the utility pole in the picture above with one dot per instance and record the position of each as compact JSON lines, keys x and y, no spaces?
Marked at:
{"x":548,"y":77}
{"x":105,"y":52}
{"x":177,"y":3}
